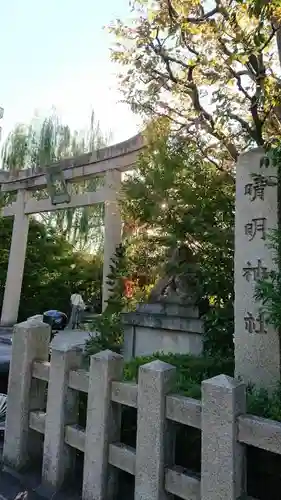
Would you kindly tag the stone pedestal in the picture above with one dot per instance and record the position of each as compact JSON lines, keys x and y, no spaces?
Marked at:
{"x":162,"y":327}
{"x":257,"y":344}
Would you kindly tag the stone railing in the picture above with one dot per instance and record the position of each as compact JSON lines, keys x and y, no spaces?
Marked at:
{"x":220,"y":415}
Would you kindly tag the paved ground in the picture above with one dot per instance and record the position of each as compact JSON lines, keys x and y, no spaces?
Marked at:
{"x":6,"y":332}
{"x":11,"y":486}
{"x":15,"y":484}
{"x":14,"y":487}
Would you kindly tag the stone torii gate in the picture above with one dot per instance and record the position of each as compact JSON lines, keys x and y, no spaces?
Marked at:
{"x":108,"y":163}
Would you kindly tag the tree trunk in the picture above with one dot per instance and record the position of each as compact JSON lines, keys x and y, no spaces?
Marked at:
{"x":278,"y":42}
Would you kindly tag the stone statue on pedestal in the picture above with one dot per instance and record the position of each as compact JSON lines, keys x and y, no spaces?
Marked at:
{"x":170,"y":322}
{"x":178,"y":286}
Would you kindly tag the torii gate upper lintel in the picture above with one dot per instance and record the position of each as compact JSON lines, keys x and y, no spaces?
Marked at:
{"x":109,"y":162}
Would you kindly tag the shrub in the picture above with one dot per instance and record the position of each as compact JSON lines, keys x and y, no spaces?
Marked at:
{"x":110,"y":334}
{"x":219,"y":330}
{"x":191,"y":370}
{"x":260,"y":403}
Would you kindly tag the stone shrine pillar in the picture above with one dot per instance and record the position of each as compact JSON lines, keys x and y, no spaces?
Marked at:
{"x":257,"y":344}
{"x":112,"y":227}
{"x":15,"y":271}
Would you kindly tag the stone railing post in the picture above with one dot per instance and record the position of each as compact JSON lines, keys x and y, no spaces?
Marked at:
{"x":30,"y":342}
{"x":102,"y":428}
{"x":154,"y":439}
{"x":222,"y":460}
{"x":62,"y":410}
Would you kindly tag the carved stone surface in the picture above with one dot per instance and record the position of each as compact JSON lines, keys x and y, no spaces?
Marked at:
{"x":257,"y":343}
{"x":56,"y":184}
{"x":177,"y":287}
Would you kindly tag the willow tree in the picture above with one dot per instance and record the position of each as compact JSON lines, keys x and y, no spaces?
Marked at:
{"x":211,"y":68}
{"x":45,"y":142}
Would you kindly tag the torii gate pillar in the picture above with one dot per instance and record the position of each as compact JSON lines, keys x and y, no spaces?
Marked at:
{"x":15,"y":271}
{"x":112,"y":228}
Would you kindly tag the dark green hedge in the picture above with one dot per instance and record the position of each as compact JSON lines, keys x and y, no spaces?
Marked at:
{"x":192,"y":370}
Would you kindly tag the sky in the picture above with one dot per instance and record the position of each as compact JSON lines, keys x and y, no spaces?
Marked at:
{"x":56,"y":54}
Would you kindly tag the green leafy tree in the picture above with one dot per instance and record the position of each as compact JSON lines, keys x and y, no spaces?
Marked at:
{"x":174,"y":198}
{"x":52,"y":270}
{"x":44,"y":142}
{"x":108,"y":324}
{"x":177,"y":198}
{"x":271,"y":11}
{"x":210,"y":68}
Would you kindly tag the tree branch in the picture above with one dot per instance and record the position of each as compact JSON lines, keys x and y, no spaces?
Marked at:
{"x":244,"y":125}
{"x":193,"y":20}
{"x":193,"y":92}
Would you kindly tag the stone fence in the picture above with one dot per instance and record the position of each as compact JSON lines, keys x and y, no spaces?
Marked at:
{"x":220,"y":415}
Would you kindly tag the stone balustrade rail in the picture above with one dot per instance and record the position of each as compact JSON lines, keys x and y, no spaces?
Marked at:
{"x":220,"y":415}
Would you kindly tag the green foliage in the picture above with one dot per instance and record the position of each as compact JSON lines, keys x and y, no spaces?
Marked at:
{"x":108,"y":325}
{"x":260,"y":403}
{"x":42,"y":142}
{"x":182,"y":198}
{"x":191,"y":370}
{"x":177,"y":198}
{"x":219,"y":330}
{"x":268,"y":290}
{"x":110,"y":334}
{"x":209,"y":68}
{"x":52,"y":270}
{"x":274,"y":153}
{"x":118,"y":270}
{"x":145,"y":253}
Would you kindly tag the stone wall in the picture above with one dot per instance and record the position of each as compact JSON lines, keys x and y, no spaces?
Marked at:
{"x":159,"y":327}
{"x":225,"y":427}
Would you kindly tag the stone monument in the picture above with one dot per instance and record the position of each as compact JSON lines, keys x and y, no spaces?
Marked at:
{"x":170,"y":322}
{"x":257,"y":344}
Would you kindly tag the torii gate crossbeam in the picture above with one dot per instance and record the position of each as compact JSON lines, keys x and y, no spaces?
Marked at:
{"x":107,"y":162}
